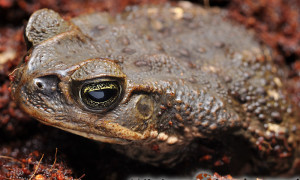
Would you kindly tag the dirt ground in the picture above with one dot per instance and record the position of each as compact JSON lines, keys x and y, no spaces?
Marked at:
{"x":31,"y":150}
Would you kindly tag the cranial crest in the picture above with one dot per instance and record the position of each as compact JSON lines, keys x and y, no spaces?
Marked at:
{"x":44,"y":24}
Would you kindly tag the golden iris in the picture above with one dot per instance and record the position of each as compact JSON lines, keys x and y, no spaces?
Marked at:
{"x":100,"y":95}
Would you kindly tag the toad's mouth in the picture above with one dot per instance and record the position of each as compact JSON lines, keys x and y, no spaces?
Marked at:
{"x":117,"y":134}
{"x":96,"y":137}
{"x":105,"y":131}
{"x":110,"y":133}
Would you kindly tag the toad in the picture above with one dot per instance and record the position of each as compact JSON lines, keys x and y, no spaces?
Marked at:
{"x":162,"y":84}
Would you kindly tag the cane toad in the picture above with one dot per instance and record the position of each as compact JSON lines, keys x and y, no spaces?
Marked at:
{"x":161,"y":83}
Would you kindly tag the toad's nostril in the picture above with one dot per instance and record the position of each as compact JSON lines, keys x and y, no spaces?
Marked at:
{"x":39,"y":85}
{"x":46,"y":84}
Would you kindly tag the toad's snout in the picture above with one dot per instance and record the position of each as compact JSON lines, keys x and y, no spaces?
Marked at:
{"x":46,"y":85}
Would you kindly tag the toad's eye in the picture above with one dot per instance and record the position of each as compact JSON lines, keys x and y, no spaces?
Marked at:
{"x":100,"y":95}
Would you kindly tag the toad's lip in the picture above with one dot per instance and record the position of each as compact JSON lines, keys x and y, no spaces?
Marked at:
{"x":105,"y":131}
{"x":96,"y":137}
{"x":121,"y":135}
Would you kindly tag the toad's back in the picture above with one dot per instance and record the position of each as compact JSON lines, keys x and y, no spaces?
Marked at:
{"x":173,"y":76}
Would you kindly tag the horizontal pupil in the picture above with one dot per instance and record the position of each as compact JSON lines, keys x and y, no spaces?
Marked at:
{"x":102,"y":95}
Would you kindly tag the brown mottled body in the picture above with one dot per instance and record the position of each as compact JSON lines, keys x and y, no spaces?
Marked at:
{"x":177,"y":80}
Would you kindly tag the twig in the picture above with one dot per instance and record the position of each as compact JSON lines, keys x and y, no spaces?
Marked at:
{"x":54,"y":160}
{"x":11,"y":158}
{"x":81,"y":176}
{"x":36,"y":167}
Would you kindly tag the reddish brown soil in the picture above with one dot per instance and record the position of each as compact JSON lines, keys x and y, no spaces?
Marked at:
{"x":277,"y":24}
{"x":28,"y":148}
